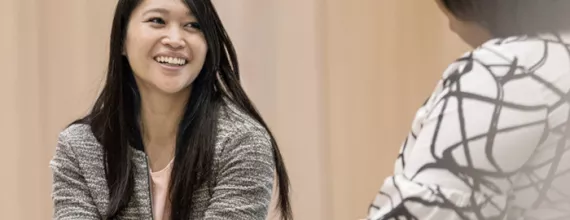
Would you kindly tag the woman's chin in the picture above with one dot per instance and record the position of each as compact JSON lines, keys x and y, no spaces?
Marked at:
{"x":165,"y":85}
{"x":173,"y":90}
{"x":170,"y":87}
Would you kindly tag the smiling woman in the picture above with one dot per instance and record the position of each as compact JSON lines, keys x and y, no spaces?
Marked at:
{"x":165,"y":46}
{"x":173,"y":134}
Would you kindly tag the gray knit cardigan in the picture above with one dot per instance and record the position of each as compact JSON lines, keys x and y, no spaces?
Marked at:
{"x":241,"y":187}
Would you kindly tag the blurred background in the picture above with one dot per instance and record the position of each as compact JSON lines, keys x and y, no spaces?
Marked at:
{"x":338,"y":81}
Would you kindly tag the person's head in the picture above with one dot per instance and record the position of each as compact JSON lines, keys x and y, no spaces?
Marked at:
{"x":477,"y":21}
{"x":171,"y":47}
{"x":165,"y":45}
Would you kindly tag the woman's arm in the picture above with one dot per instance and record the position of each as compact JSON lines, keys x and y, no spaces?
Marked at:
{"x":71,"y":198}
{"x":482,"y":127}
{"x":245,"y":179}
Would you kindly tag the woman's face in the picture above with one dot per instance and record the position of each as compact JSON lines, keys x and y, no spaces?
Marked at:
{"x":470,"y":32}
{"x":164,"y":46}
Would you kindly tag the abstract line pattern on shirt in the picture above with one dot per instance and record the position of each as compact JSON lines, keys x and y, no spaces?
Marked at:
{"x":491,"y":142}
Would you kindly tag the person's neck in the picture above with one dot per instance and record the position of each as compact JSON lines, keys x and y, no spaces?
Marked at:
{"x":160,"y":116}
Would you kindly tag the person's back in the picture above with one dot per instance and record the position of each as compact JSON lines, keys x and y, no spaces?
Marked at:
{"x":539,"y":189}
{"x":491,"y":141}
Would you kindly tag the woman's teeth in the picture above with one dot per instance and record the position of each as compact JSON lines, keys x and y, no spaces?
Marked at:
{"x":171,"y":60}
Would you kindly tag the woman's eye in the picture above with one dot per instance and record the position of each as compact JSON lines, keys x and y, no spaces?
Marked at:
{"x":156,"y":20}
{"x":194,"y":25}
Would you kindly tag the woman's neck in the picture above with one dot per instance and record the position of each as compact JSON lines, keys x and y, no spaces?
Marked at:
{"x":160,"y":117}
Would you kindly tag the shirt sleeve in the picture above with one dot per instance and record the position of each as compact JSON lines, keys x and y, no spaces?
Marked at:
{"x":479,"y":130}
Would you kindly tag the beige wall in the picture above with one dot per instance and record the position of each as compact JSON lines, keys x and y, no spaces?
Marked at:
{"x":338,"y":81}
{"x":7,"y":122}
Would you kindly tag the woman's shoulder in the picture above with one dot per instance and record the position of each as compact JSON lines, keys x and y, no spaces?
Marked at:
{"x":77,"y":132}
{"x":237,"y":128}
{"x":79,"y":138}
{"x":529,"y":70}
{"x":523,"y":54}
{"x":524,"y":59}
{"x":233,"y":119}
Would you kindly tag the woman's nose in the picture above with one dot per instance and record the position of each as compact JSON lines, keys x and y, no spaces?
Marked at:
{"x":174,"y":38}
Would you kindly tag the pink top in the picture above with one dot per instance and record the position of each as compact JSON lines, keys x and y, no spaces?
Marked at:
{"x":160,"y":199}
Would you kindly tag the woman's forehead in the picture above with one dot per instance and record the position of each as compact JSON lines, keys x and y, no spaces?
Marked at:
{"x":165,"y":7}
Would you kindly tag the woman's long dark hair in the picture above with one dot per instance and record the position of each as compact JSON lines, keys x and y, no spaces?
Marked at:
{"x":114,"y":117}
{"x":504,"y":18}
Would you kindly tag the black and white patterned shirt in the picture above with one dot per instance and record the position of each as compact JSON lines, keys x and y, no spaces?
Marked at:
{"x":492,"y":140}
